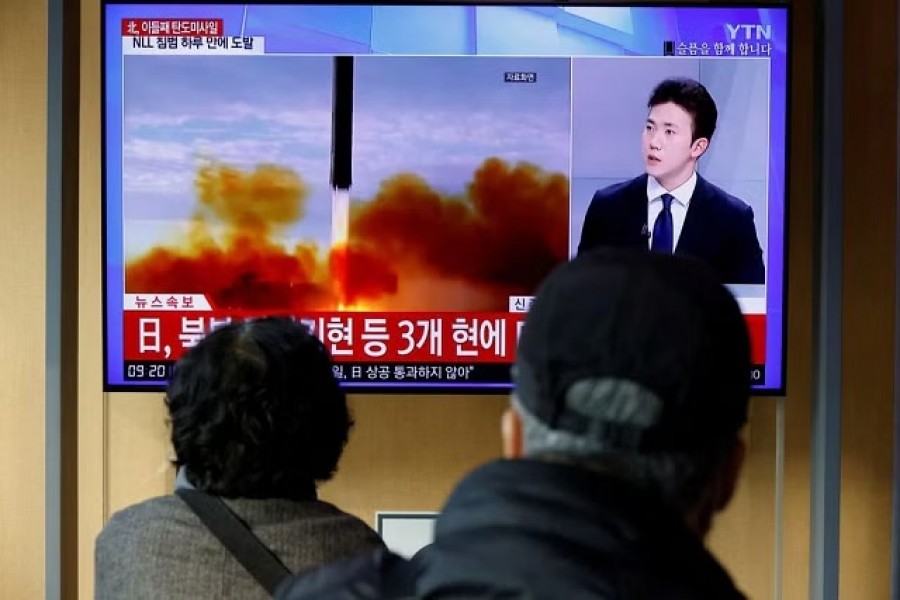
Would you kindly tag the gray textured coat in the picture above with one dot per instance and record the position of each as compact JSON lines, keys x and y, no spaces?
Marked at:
{"x":160,"y":549}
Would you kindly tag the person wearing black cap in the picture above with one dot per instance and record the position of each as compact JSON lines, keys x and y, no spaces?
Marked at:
{"x":622,"y":442}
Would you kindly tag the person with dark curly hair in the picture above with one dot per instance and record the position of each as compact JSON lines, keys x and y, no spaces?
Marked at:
{"x":257,"y":420}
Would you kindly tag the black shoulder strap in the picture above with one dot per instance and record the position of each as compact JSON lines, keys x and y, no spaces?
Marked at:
{"x":234,"y":534}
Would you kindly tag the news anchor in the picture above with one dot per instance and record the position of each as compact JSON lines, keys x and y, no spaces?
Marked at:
{"x":670,"y":208}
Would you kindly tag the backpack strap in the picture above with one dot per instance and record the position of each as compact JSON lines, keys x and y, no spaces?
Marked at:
{"x":237,"y":537}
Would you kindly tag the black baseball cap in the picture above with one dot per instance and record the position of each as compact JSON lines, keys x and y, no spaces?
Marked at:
{"x":616,"y":321}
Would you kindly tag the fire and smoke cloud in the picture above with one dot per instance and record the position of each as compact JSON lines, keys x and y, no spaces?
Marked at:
{"x":410,"y":247}
{"x":498,"y":239}
{"x":253,"y":203}
{"x":245,"y":268}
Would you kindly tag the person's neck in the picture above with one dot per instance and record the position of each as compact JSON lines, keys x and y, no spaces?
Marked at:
{"x":699,"y":521}
{"x":675,"y":181}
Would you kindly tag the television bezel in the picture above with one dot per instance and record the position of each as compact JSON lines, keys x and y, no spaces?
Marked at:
{"x":775,"y":392}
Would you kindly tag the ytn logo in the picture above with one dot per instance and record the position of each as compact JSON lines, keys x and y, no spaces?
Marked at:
{"x":750,"y":32}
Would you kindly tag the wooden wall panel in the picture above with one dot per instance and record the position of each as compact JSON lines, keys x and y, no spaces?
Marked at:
{"x":870,"y":262}
{"x":744,"y":536}
{"x":406,"y":452}
{"x":23,"y":171}
{"x":92,"y":455}
{"x":139,"y":456}
{"x":799,"y":285}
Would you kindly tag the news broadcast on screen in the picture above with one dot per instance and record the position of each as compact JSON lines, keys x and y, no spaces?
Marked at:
{"x":402,"y":178}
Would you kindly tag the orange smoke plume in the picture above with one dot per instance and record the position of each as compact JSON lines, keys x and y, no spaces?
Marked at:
{"x":248,"y":270}
{"x":359,"y":276}
{"x":471,"y":252}
{"x":252,"y":203}
{"x":410,"y":247}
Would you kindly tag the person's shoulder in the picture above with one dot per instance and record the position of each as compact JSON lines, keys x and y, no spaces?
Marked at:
{"x":143,"y":519}
{"x":127,"y":550}
{"x":342,"y":523}
{"x":300,"y":528}
{"x":621,"y":190}
{"x":315,"y":513}
{"x":162,"y":507}
{"x":723,"y":200}
{"x":375,"y":574}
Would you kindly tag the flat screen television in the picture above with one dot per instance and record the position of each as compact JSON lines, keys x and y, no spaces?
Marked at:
{"x":401,"y":177}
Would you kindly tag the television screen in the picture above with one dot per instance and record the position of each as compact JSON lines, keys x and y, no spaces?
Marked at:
{"x":401,"y":178}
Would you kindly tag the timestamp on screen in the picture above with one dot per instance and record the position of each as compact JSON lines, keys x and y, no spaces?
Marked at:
{"x":148,"y":370}
{"x":757,"y":375}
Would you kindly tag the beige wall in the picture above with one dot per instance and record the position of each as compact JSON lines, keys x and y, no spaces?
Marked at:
{"x":93,"y":422}
{"x":796,"y":501}
{"x":23,"y":159}
{"x":870,"y":263}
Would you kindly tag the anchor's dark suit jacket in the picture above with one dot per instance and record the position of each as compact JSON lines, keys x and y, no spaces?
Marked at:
{"x":718,"y":228}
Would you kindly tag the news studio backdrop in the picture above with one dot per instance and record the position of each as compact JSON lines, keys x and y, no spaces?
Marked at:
{"x":401,"y":178}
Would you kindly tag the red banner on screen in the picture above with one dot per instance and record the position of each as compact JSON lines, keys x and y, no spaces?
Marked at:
{"x":366,"y":337}
{"x":172,"y":27}
{"x":756,"y":325}
{"x":350,"y":337}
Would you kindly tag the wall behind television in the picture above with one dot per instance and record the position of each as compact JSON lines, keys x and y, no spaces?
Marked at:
{"x":406,"y":452}
{"x":870,"y":296}
{"x":23,"y":171}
